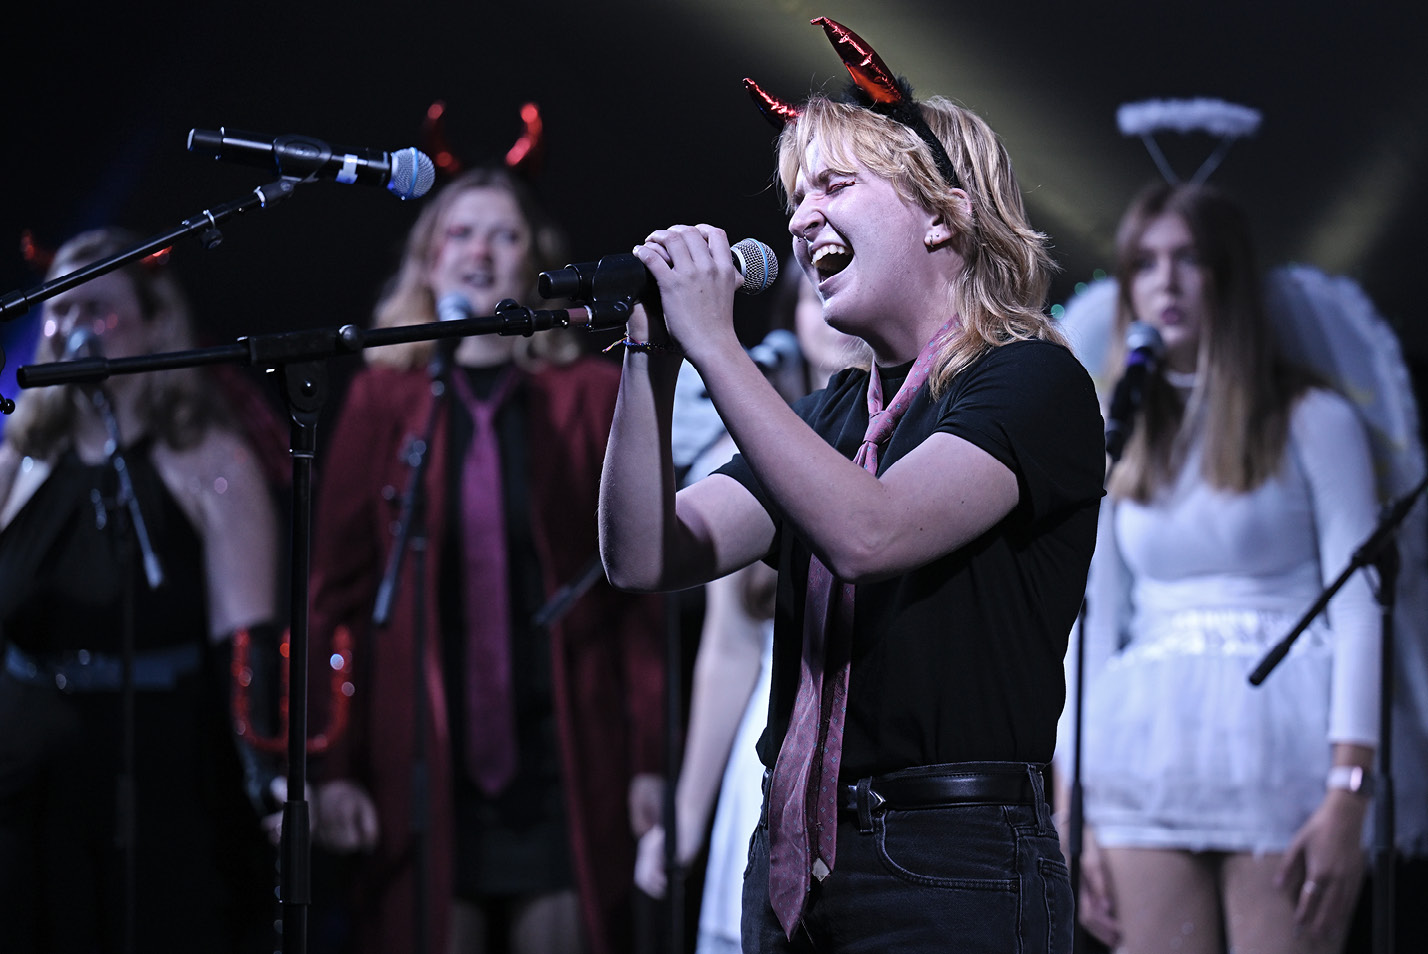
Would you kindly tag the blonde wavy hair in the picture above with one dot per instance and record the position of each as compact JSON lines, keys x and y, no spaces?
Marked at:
{"x":175,"y":405}
{"x":1001,"y":291}
{"x":409,"y":299}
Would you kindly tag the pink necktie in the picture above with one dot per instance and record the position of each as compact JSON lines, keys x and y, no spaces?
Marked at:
{"x":491,"y":757}
{"x":804,"y":784}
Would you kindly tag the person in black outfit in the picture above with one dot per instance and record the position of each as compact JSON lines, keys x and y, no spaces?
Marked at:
{"x":960,"y":533}
{"x":188,"y":841}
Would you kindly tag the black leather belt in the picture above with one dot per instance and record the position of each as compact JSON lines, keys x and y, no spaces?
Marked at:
{"x":87,"y":671}
{"x":942,"y":785}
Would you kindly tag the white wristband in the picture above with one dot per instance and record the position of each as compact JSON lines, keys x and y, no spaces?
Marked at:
{"x":1351,"y":778}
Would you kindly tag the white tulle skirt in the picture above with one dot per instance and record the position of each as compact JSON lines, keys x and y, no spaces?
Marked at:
{"x":741,"y":799}
{"x":1182,"y":752}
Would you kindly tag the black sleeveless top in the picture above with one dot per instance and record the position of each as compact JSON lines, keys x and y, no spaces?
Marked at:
{"x":68,"y":554}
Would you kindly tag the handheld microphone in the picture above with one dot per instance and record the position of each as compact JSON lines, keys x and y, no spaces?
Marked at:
{"x":82,"y":343}
{"x":777,"y":352}
{"x":1144,"y":351}
{"x":623,"y":276}
{"x":407,"y":173}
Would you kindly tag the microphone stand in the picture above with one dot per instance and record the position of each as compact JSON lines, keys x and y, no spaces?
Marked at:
{"x":16,"y":303}
{"x":300,"y":357}
{"x":565,"y":596}
{"x":153,"y":570}
{"x":129,"y":529}
{"x":1379,"y":550}
{"x":1144,"y":352}
{"x":412,"y":534}
{"x":1075,"y":809}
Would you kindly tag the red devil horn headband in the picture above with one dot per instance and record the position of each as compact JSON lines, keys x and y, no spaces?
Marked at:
{"x":42,"y":257}
{"x":528,"y":151}
{"x":35,"y":255}
{"x":775,"y":110}
{"x":874,"y":87}
{"x":433,"y":135}
{"x":524,"y":157}
{"x":870,"y":74}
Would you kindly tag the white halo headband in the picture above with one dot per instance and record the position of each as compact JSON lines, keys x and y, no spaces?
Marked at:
{"x":1227,"y":121}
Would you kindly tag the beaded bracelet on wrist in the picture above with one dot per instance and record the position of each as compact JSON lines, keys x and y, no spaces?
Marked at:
{"x":644,"y":347}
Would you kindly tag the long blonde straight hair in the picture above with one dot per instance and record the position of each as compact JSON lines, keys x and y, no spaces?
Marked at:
{"x":1243,"y":392}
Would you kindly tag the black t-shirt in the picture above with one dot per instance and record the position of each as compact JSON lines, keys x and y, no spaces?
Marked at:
{"x":64,"y":572}
{"x":960,"y":659}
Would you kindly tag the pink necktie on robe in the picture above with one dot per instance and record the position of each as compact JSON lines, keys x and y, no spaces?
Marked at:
{"x":490,"y":730}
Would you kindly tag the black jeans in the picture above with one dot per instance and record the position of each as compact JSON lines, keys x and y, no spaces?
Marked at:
{"x":967,"y":878}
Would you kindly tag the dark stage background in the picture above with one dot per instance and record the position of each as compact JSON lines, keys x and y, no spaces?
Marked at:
{"x":647,"y":124}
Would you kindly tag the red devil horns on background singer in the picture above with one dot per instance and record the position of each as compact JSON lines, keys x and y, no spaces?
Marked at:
{"x":524,"y":157}
{"x":433,"y":137}
{"x":41,"y":257}
{"x":35,"y":255}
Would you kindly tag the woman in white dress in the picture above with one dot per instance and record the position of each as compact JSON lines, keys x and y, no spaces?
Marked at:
{"x":1220,"y":814}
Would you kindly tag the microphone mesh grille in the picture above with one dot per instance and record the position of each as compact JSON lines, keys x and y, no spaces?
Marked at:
{"x":413,"y":173}
{"x":758,"y":264}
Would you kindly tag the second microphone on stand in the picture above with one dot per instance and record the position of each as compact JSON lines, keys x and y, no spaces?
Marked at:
{"x":1144,"y":351}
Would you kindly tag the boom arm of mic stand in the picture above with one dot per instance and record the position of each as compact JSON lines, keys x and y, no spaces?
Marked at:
{"x":1365,"y":555}
{"x":17,"y":303}
{"x":276,"y":350}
